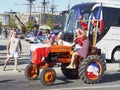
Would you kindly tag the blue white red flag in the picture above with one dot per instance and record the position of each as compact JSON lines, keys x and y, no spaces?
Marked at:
{"x":82,"y":25}
{"x":99,"y":17}
{"x":92,"y":17}
{"x":79,"y":13}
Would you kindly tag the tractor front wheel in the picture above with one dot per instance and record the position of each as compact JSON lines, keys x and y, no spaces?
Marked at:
{"x":31,"y":72}
{"x":48,"y":76}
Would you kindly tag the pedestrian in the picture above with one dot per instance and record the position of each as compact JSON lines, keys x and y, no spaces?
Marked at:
{"x":12,"y":31}
{"x":0,"y":29}
{"x":5,"y":32}
{"x":14,"y":48}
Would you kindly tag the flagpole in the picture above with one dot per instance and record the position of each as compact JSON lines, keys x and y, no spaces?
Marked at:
{"x":75,"y":28}
{"x":95,"y":37}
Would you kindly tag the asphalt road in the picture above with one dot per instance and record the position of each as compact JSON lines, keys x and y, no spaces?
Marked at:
{"x":18,"y":81}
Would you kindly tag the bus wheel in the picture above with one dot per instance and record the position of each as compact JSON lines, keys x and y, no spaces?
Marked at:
{"x":48,"y":76}
{"x":69,"y":73}
{"x":116,"y":55}
{"x":31,"y":72}
{"x":91,"y":69}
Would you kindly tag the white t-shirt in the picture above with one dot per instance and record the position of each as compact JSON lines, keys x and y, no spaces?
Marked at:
{"x":14,"y":45}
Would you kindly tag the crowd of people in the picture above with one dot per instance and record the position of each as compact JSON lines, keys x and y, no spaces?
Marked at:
{"x":47,"y":37}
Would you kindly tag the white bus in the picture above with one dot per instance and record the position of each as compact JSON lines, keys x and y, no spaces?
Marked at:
{"x":109,"y":40}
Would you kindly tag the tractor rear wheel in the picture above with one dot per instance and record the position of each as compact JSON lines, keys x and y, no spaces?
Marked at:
{"x":48,"y":76}
{"x":88,"y":77}
{"x":31,"y":72}
{"x":69,"y":73}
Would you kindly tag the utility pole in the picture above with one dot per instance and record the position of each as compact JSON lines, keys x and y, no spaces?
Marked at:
{"x":52,"y":7}
{"x":30,"y":8}
{"x":44,"y":5}
{"x":68,"y":5}
{"x":30,"y":2}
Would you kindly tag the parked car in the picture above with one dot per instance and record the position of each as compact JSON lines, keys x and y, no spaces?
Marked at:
{"x":30,"y":38}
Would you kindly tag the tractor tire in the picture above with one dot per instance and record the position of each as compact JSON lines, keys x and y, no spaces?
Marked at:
{"x":31,"y":73}
{"x":48,"y":76}
{"x":84,"y":66}
{"x":69,"y":73}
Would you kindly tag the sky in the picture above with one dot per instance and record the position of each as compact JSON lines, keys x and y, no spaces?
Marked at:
{"x":19,"y":5}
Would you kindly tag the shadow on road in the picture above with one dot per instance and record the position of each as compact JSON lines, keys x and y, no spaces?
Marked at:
{"x":2,"y":47}
{"x":63,"y":80}
{"x":20,"y":61}
{"x":115,"y":76}
{"x":5,"y":81}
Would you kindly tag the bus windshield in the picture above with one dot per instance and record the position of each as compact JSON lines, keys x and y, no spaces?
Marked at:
{"x":71,"y":20}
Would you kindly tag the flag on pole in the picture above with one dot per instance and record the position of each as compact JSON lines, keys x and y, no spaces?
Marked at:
{"x":92,"y":17}
{"x":82,"y":24}
{"x":79,"y":13}
{"x":99,"y":17}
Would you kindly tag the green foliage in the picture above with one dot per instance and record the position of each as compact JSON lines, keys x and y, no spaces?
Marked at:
{"x":0,"y":23}
{"x":12,"y":23}
{"x":29,"y":26}
{"x":24,"y":29}
{"x":50,"y":23}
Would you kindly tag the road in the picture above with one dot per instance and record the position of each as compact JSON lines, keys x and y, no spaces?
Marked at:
{"x":17,"y":81}
{"x":11,"y":80}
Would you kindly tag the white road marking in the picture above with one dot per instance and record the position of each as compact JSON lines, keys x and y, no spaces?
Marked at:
{"x":92,"y":87}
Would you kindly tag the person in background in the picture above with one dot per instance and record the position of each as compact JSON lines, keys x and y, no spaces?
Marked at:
{"x":5,"y":32}
{"x":39,"y":32}
{"x":48,"y":36}
{"x":14,"y":48}
{"x":35,"y":31}
{"x":0,"y":29}
{"x":59,"y":40}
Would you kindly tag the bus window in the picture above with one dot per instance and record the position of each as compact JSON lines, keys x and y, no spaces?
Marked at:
{"x":119,"y":21}
{"x":72,"y":17}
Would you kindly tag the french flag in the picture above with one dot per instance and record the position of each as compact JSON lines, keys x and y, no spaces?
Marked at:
{"x":79,"y":13}
{"x":82,"y":25}
{"x":92,"y":17}
{"x":99,"y":17}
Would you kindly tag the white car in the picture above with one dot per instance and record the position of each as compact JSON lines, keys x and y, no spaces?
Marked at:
{"x":30,"y":38}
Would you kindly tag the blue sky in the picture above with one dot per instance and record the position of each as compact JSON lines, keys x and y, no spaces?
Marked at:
{"x":6,"y":5}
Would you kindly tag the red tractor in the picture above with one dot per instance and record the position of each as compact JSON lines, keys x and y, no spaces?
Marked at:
{"x":46,"y":58}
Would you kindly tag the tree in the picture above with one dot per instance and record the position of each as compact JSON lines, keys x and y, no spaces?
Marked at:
{"x":29,"y":26}
{"x":0,"y":23}
{"x":50,"y":23}
{"x":12,"y":23}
